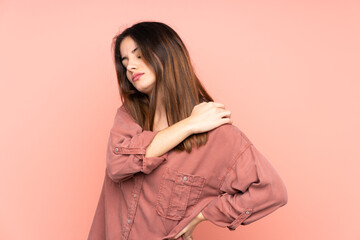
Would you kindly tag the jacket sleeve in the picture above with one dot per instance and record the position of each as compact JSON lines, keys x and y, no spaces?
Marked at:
{"x":251,"y":190}
{"x":127,"y":148}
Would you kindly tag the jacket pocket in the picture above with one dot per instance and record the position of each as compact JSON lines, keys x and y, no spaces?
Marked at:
{"x":177,"y":192}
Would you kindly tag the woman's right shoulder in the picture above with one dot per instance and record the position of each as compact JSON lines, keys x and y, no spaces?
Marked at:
{"x":122,"y":109}
{"x":124,"y":119}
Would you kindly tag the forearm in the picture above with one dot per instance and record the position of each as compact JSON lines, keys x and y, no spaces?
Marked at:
{"x":168,"y":138}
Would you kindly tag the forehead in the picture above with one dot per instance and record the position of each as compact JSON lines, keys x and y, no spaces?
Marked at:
{"x":127,"y":45}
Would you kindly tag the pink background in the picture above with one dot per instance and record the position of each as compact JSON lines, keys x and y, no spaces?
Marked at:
{"x":288,"y":71}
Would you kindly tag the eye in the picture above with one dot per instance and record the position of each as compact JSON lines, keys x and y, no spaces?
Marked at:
{"x":139,"y":56}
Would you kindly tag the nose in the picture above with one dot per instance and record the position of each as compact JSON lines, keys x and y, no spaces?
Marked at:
{"x":131,"y":67}
{"x":132,"y":64}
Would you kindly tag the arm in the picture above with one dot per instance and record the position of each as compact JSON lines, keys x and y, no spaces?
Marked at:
{"x":252,"y":189}
{"x":128,"y":146}
{"x":132,"y":149}
{"x":169,"y":138}
{"x":204,"y":117}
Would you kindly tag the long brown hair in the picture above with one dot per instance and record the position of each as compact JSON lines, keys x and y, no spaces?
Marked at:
{"x":162,"y":48}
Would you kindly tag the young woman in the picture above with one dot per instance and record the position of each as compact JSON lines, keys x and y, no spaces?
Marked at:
{"x":174,"y":158}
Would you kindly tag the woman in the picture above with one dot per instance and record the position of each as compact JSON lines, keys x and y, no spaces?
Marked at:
{"x":174,"y":158}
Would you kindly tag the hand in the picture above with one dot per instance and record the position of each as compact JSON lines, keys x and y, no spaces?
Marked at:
{"x":188,"y":229}
{"x":207,"y":116}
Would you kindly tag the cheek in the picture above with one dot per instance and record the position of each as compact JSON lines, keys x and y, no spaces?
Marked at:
{"x":128,"y":75}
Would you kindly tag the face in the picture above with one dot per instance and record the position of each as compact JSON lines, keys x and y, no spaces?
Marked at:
{"x":133,"y":62}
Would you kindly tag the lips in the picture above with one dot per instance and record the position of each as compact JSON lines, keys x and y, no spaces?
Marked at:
{"x":136,"y":76}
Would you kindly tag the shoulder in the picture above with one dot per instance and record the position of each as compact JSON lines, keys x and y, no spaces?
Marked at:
{"x":124,"y":119}
{"x":122,"y":110}
{"x":123,"y":114}
{"x":231,"y":131}
{"x":231,"y":136}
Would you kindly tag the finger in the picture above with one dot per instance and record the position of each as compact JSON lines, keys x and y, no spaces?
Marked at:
{"x":180,"y":233}
{"x":225,"y":114}
{"x":217,"y":104}
{"x":225,"y":120}
{"x":188,"y":235}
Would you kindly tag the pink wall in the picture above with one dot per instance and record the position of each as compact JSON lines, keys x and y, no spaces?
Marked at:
{"x":289,"y":71}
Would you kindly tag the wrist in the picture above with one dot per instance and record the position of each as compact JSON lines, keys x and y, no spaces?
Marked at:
{"x":187,"y":126}
{"x":201,"y":217}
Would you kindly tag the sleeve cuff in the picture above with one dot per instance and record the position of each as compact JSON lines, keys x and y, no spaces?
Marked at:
{"x":240,"y":219}
{"x":141,"y":143}
{"x":138,"y":148}
{"x":213,"y":214}
{"x":150,"y":163}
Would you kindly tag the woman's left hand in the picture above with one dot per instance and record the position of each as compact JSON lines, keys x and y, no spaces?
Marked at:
{"x":188,"y":229}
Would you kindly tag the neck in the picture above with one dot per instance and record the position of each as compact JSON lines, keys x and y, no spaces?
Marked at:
{"x":160,"y":120}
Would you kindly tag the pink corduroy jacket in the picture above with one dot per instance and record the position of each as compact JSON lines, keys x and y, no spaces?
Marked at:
{"x":227,"y":179}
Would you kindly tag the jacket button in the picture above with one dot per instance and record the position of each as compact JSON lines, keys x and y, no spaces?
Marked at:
{"x":247,"y":212}
{"x":128,"y":221}
{"x":134,"y":195}
{"x":185,"y":178}
{"x":116,"y":149}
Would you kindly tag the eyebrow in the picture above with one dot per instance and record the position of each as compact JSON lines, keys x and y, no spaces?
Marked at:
{"x":131,"y":52}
